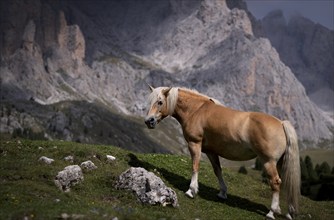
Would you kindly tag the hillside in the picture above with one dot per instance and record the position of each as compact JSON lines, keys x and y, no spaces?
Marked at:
{"x":84,"y":122}
{"x":27,"y":187}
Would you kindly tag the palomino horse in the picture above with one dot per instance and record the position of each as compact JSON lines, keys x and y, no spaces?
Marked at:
{"x":216,"y":130}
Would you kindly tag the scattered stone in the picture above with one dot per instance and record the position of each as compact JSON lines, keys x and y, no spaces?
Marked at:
{"x":64,"y":216}
{"x":70,"y":176}
{"x":77,"y":216}
{"x":73,"y":216}
{"x":110,"y":158}
{"x":40,"y":148}
{"x":88,"y":165}
{"x":148,"y":187}
{"x":46,"y":160}
{"x":69,"y":158}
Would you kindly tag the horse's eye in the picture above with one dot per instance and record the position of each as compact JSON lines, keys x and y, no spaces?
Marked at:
{"x":160,"y":103}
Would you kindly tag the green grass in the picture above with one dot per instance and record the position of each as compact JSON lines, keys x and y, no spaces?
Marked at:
{"x":27,"y":187}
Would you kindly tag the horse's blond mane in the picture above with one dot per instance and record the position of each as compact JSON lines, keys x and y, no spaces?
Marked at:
{"x":200,"y":94}
{"x":173,"y":95}
{"x":172,"y":99}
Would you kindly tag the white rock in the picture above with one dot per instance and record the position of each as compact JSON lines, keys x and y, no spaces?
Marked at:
{"x":64,"y":216}
{"x":88,"y":165}
{"x":70,"y":176}
{"x":69,"y":158}
{"x":110,"y":158}
{"x":149,"y":188}
{"x":46,"y":160}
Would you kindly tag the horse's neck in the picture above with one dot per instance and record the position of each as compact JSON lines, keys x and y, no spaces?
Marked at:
{"x":187,"y":104}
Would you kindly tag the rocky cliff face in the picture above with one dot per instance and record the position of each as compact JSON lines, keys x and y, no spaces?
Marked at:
{"x":106,"y":52}
{"x":304,"y":46}
{"x":40,"y":52}
{"x":307,"y":48}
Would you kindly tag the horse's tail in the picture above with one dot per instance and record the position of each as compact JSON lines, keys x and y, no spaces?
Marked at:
{"x":291,"y":168}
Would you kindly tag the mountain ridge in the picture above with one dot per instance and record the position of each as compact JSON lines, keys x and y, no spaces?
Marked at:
{"x":88,"y":54}
{"x":303,"y":45}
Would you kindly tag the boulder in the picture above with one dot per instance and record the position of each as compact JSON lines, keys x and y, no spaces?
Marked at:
{"x":88,"y":165}
{"x":70,"y":176}
{"x":149,"y":188}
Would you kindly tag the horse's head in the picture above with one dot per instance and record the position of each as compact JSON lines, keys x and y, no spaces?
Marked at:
{"x":158,"y":106}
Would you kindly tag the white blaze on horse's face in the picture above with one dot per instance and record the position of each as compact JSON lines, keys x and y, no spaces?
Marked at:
{"x":158,"y":106}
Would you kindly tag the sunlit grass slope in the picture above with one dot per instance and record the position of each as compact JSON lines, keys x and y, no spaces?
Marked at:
{"x":27,"y":187}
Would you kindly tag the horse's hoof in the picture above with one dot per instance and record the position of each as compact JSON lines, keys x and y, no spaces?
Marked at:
{"x":189,"y":194}
{"x":222,"y":196}
{"x":288,"y":216}
{"x":270,"y":216}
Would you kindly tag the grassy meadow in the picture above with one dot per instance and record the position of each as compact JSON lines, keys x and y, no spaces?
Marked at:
{"x":28,"y":192}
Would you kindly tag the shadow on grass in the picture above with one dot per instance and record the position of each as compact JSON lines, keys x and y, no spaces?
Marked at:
{"x":206,"y":192}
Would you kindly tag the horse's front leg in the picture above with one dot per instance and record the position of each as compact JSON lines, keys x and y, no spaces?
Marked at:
{"x":195,"y":152}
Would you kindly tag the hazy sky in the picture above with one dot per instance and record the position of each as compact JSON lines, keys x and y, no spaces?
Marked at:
{"x":319,"y":11}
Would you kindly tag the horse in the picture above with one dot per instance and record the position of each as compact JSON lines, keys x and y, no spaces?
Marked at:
{"x":216,"y":130}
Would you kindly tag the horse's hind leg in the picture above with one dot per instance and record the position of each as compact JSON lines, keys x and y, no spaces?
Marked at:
{"x":275,"y":182}
{"x":214,"y":159}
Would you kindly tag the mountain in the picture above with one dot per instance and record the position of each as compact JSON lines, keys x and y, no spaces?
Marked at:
{"x":103,"y":53}
{"x":307,"y":48}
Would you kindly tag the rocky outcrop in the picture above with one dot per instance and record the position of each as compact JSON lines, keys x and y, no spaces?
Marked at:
{"x":307,"y":48}
{"x":149,"y":188}
{"x":48,"y":56}
{"x":304,"y":46}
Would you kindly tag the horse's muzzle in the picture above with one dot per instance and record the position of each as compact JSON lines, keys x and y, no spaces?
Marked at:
{"x":151,"y":122}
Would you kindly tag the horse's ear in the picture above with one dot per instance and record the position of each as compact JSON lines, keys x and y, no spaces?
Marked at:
{"x":151,"y":88}
{"x":166,"y":91}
